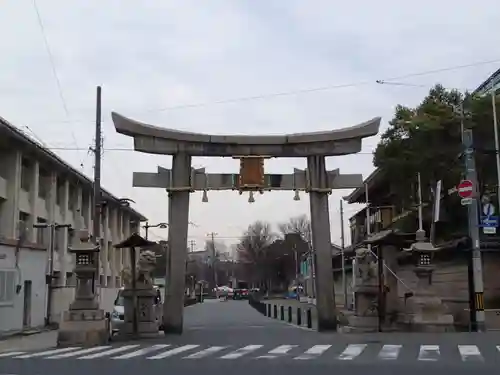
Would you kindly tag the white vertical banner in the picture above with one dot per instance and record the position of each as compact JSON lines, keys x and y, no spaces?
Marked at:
{"x":437,"y":201}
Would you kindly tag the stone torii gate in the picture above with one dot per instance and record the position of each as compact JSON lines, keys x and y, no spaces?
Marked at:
{"x":252,"y":150}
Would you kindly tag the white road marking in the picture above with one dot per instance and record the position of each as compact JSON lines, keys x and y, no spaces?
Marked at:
{"x":142,"y":351}
{"x":205,"y":352}
{"x":109,"y":352}
{"x":313,"y":352}
{"x":470,"y":353}
{"x":389,"y":352}
{"x":10,"y":354}
{"x":429,"y":353}
{"x":351,"y":352}
{"x":79,"y":352}
{"x":47,"y":352}
{"x":279,"y":351}
{"x":175,"y":351}
{"x":241,"y":352}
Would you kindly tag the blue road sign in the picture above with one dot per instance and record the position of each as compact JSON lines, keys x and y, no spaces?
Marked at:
{"x":488,"y":210}
{"x":489,"y":222}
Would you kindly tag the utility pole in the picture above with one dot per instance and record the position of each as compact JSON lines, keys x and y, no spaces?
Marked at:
{"x":97,"y":185}
{"x":342,"y":244}
{"x":53,"y":228}
{"x":212,"y":248}
{"x":477,"y":267}
{"x":495,"y":131}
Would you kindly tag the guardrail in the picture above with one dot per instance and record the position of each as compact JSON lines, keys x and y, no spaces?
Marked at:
{"x":271,"y":311}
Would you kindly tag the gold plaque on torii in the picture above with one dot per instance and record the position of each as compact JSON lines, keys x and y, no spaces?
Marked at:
{"x":252,"y":172}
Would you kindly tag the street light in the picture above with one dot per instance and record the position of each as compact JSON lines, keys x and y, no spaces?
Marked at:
{"x":161,"y":225}
{"x":50,"y":274}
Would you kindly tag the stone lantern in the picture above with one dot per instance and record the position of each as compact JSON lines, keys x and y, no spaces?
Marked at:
{"x":84,"y":323}
{"x":423,"y":255}
{"x":426,"y":311}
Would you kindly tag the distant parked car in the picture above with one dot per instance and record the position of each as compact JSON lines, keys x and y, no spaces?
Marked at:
{"x":224,"y":291}
{"x":240,"y":294}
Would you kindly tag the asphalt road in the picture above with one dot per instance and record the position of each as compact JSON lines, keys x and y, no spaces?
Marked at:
{"x":234,"y":338}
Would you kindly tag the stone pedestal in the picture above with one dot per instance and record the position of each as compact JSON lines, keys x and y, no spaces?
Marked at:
{"x":365,"y":318}
{"x":147,"y":323}
{"x":82,"y":328}
{"x":425,"y":310}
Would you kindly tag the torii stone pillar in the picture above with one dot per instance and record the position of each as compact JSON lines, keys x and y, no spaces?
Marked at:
{"x":178,"y":215}
{"x":181,"y":180}
{"x":321,"y":241}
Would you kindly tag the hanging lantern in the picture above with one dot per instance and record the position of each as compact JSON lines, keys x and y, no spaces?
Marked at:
{"x":296,"y":196}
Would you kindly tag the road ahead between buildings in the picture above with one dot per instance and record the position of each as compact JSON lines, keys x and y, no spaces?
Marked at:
{"x":232,"y":337}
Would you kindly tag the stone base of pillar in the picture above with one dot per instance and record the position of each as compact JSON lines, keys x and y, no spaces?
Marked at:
{"x":428,"y":314}
{"x":83,"y":328}
{"x":144,"y":330}
{"x":147,"y":315}
{"x":365,"y":318}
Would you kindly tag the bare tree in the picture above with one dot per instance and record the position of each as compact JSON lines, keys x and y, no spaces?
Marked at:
{"x":253,"y":248}
{"x":300,"y":225}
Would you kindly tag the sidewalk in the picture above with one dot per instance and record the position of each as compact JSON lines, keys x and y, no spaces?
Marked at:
{"x":42,"y":340}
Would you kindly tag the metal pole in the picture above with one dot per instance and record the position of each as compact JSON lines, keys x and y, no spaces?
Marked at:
{"x":477,"y":268}
{"x":52,"y":229}
{"x":212,"y":235}
{"x":135,"y":320}
{"x":497,"y":148}
{"x":368,"y":231}
{"x":420,"y":219}
{"x":146,"y":227}
{"x":342,"y":244}
{"x":97,"y":186}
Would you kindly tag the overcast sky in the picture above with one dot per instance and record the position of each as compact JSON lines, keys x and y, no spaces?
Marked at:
{"x":152,"y":56}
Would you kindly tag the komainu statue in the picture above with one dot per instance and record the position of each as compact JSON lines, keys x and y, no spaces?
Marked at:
{"x":143,"y":270}
{"x":367,"y":266}
{"x":145,"y":267}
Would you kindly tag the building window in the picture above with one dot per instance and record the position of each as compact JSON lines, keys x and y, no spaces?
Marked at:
{"x":25,"y":175}
{"x":41,"y":236}
{"x":7,"y":286}
{"x":23,"y":221}
{"x":72,"y":201}
{"x":43,"y":183}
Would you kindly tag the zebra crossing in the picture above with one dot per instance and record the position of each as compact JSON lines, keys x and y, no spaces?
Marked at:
{"x":349,"y":352}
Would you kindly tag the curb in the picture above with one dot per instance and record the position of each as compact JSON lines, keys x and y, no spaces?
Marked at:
{"x":28,"y":332}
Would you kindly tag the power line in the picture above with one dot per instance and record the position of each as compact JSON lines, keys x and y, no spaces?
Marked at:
{"x":294,"y":92}
{"x":302,"y":91}
{"x":53,"y":66}
{"x":323,"y":88}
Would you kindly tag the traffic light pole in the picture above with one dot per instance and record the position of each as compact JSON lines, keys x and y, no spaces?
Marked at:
{"x":473,"y":215}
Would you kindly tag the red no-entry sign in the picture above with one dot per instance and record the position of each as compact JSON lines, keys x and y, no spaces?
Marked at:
{"x":465,"y":189}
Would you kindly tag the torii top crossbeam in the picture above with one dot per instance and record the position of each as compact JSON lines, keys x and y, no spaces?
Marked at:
{"x":157,"y":140}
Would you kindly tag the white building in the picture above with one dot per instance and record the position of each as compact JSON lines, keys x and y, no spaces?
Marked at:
{"x":36,"y":186}
{"x":493,"y":81}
